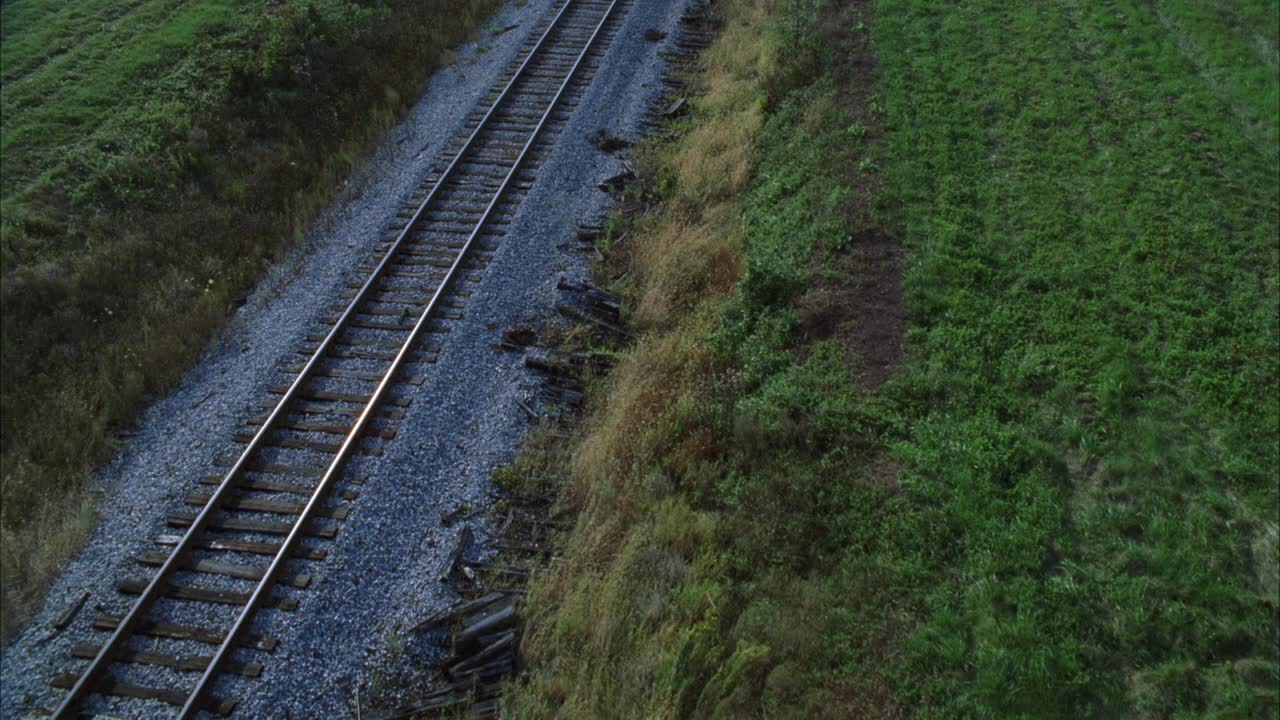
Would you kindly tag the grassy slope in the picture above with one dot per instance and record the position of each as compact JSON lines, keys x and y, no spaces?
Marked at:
{"x":1086,"y":521}
{"x":156,"y":155}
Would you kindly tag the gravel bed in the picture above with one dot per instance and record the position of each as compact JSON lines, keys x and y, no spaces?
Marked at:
{"x":382,"y":572}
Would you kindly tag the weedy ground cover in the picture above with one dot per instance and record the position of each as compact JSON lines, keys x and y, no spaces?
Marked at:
{"x":1064,"y":502}
{"x":720,"y":482}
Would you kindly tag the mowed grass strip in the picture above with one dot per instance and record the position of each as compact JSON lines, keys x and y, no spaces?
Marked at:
{"x":157,"y":156}
{"x":1089,"y":424}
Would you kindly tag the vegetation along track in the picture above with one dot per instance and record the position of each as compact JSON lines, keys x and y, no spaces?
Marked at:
{"x":341,"y":400}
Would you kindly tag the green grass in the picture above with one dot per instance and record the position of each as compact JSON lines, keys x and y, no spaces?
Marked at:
{"x":157,"y":156}
{"x":1065,"y":502}
{"x":1089,"y":196}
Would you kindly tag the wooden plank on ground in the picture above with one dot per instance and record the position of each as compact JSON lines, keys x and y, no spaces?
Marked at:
{"x":267,"y":527}
{"x":268,"y":506}
{"x":111,"y":686}
{"x":177,"y":631}
{"x":221,"y":567}
{"x":190,"y":663}
{"x":135,"y":586}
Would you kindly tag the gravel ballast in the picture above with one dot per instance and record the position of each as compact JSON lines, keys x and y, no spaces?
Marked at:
{"x":382,"y":572}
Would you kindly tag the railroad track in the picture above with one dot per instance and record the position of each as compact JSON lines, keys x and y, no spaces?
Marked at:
{"x":258,"y":525}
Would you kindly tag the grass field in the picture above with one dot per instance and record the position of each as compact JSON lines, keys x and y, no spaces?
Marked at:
{"x":1064,"y":502}
{"x":1089,"y":194}
{"x":157,"y":155}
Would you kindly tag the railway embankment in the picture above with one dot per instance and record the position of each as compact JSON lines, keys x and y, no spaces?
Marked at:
{"x":159,"y":159}
{"x":444,"y":449}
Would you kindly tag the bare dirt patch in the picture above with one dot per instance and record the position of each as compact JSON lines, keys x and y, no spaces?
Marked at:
{"x":856,"y":298}
{"x":860,"y":306}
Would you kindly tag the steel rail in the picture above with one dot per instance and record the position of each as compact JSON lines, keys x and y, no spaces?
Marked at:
{"x":155,"y":588}
{"x":335,"y":466}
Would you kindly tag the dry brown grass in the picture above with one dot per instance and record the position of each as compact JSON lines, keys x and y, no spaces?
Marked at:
{"x":644,"y":394}
{"x":681,"y":262}
{"x":634,"y":540}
